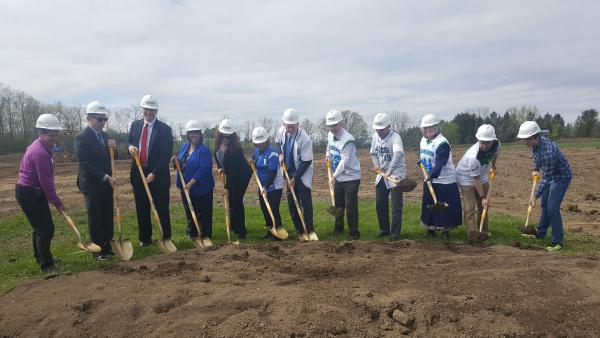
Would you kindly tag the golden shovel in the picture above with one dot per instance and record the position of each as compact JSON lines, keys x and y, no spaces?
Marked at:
{"x":332,"y":209}
{"x":122,"y":247}
{"x":527,"y":229}
{"x":165,"y":245}
{"x":280,"y":232}
{"x":92,"y":247}
{"x":197,"y":241}
{"x":436,"y":204}
{"x":305,"y":236}
{"x":226,"y":207}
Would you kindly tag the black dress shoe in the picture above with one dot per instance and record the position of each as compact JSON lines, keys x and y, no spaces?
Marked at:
{"x":383,"y":234}
{"x":145,"y":244}
{"x":429,"y":234}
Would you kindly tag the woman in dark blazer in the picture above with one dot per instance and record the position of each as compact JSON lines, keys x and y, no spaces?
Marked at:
{"x":231,"y":161}
{"x":196,"y":165}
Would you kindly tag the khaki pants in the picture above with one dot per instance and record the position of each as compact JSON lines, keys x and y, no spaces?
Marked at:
{"x":472,"y":208}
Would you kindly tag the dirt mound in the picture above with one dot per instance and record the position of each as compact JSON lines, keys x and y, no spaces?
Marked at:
{"x":318,"y":289}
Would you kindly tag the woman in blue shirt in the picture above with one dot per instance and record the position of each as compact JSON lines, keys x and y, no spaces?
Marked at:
{"x":196,"y":164}
{"x":266,"y":160}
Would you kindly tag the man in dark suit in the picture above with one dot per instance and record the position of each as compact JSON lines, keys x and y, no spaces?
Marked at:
{"x":95,"y":179}
{"x":153,"y":141}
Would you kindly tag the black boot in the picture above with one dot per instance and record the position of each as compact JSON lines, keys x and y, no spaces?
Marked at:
{"x":429,"y":234}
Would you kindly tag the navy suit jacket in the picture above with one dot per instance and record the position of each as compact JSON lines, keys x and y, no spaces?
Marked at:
{"x":94,"y":161}
{"x":160,"y":150}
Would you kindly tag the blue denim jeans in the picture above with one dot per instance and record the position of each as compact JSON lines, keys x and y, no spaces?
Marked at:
{"x":551,"y":199}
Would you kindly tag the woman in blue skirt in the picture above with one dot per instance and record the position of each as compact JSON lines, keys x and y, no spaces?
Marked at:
{"x":436,"y":157}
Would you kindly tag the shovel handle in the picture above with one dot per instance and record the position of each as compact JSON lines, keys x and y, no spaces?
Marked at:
{"x":111,"y":152}
{"x":431,"y":191}
{"x":226,"y":206}
{"x":389,"y":178}
{"x":147,"y":188}
{"x":187,"y":197}
{"x":289,"y":182}
{"x":536,"y":178}
{"x":329,"y":175}
{"x":264,"y":195}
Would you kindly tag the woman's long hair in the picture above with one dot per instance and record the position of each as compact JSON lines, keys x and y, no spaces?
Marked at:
{"x":234,"y":141}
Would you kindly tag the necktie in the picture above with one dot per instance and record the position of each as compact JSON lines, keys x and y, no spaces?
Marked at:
{"x":144,"y":151}
{"x":101,"y":140}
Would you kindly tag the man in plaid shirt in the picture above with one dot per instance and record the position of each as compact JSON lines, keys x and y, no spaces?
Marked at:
{"x":556,"y":177}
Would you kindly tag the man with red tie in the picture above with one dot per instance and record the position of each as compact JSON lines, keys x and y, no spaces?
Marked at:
{"x":153,"y":141}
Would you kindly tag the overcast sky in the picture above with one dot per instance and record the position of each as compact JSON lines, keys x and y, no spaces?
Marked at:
{"x":249,"y":59}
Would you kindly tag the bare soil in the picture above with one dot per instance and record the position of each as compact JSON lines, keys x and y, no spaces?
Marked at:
{"x":325,"y":289}
{"x":322,"y":289}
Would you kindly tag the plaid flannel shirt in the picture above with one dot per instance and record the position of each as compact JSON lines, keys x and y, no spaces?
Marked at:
{"x":551,"y":163}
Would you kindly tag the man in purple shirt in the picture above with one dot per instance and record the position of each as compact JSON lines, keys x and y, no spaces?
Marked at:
{"x":36,"y":187}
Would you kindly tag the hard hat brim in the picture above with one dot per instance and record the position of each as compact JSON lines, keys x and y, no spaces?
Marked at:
{"x":260,"y":140}
{"x":379,"y":127}
{"x":332,"y":123}
{"x":290,"y":121}
{"x":147,"y":106}
{"x":226,"y":132}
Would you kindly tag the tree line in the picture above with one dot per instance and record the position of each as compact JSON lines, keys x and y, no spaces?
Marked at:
{"x":19,"y":111}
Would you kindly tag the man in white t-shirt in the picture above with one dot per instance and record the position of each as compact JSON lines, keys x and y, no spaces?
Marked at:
{"x":341,"y":150}
{"x":472,"y":177}
{"x":297,"y":154}
{"x":387,"y":155}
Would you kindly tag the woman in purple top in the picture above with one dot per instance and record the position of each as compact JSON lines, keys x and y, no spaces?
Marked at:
{"x":36,"y":187}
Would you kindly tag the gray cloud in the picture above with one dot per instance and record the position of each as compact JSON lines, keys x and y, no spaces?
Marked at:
{"x":247,"y":59}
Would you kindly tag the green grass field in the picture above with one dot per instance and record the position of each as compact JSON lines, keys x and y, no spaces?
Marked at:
{"x":17,"y":263}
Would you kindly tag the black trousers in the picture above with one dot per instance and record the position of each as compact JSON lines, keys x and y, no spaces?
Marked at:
{"x":203,"y":207}
{"x":100,"y":217}
{"x":304,"y":195}
{"x":237,"y":215}
{"x":383,"y":209}
{"x":346,"y":197}
{"x":35,"y":207}
{"x":160,"y":194}
{"x":274,"y":198}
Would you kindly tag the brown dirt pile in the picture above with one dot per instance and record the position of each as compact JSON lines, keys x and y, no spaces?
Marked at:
{"x":324,"y":289}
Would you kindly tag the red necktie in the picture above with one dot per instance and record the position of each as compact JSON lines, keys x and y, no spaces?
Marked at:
{"x":144,"y":152}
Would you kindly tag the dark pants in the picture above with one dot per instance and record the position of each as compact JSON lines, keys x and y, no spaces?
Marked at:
{"x":274,"y":198}
{"x":203,"y":207}
{"x":346,"y":197}
{"x":235,"y":194}
{"x":35,"y":207}
{"x":383,"y":213}
{"x":160,"y":195}
{"x":304,"y":196}
{"x":100,"y":217}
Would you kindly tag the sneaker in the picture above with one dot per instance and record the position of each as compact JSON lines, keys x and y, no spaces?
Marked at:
{"x":50,"y":272}
{"x":528,"y":236}
{"x":101,"y":257}
{"x":556,"y":247}
{"x":145,"y":244}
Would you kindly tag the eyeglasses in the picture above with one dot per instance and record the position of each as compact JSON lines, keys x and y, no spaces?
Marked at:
{"x":101,"y":119}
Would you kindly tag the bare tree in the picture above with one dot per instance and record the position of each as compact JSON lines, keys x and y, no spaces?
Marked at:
{"x":400,"y":121}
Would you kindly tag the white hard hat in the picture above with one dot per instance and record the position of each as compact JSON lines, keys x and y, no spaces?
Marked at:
{"x":290,"y":116}
{"x":192,"y":125}
{"x":528,"y":129}
{"x":486,"y":132}
{"x":96,"y":107}
{"x":381,"y":121}
{"x":429,"y":120}
{"x":259,"y":135}
{"x":48,"y":121}
{"x":226,"y":127}
{"x":149,"y":101}
{"x":333,"y":117}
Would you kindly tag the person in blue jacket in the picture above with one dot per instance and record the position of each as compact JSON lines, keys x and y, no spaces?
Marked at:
{"x":196,"y":164}
{"x":266,"y":160}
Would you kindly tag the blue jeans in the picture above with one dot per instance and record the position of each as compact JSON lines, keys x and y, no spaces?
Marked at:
{"x":551,"y":199}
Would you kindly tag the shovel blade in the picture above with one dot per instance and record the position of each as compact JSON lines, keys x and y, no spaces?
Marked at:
{"x":122,"y":249}
{"x":166,"y":246}
{"x":313,"y":236}
{"x":92,"y":247}
{"x":303,"y":238}
{"x":206,"y":242}
{"x":197,"y":243}
{"x":280,"y":233}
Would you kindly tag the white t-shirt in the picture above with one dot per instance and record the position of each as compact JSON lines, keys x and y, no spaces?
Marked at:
{"x":388,"y":154}
{"x":470,"y":167}
{"x":344,"y":159}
